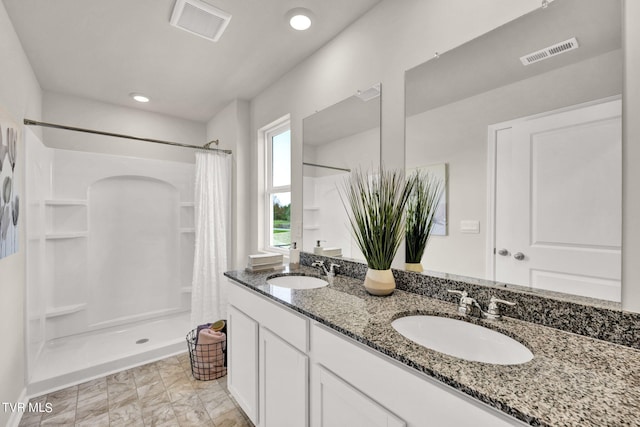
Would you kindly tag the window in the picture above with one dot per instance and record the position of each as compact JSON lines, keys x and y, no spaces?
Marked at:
{"x":278,"y":187}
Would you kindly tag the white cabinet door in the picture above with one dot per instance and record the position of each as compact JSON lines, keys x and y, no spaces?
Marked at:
{"x":340,"y":405}
{"x":242,"y":355}
{"x":284,"y":379}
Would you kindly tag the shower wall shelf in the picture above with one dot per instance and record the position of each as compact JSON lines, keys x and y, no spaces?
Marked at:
{"x":310,"y":217}
{"x":187,"y":204}
{"x":66,"y":218}
{"x":70,"y":235}
{"x":185,"y":289}
{"x":187,"y":230}
{"x":65,"y":202}
{"x":65,"y":310}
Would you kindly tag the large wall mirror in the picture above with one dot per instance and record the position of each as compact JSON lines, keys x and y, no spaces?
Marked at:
{"x":527,"y":119}
{"x":336,"y":140}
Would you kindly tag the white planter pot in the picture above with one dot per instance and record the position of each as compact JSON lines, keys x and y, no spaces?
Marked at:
{"x":379,"y":282}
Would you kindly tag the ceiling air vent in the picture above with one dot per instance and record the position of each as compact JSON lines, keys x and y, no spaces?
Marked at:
{"x":200,"y":18}
{"x":550,"y":51}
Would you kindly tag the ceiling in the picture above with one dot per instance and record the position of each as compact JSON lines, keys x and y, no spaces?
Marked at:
{"x":492,"y":60}
{"x":106,"y":49}
{"x":346,"y":118}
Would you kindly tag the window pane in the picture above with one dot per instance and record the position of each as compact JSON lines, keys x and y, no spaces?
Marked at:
{"x":280,"y":220}
{"x":281,"y":159}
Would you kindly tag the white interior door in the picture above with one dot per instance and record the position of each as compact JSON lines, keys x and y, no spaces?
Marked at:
{"x":558,"y":201}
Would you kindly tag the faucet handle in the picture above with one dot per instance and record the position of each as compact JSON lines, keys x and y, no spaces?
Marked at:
{"x":463,"y":294}
{"x":495,"y":300}
{"x":467,"y":304}
{"x":318,"y":263}
{"x":494,"y":309}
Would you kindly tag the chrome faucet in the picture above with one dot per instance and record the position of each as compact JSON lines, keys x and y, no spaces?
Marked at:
{"x":470,"y":307}
{"x":331,"y":272}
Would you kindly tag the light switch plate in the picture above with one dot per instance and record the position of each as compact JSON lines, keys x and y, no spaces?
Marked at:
{"x":470,"y":227}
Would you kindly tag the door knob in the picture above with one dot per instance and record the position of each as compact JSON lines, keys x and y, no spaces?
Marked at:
{"x":519,"y":256}
{"x":503,"y":252}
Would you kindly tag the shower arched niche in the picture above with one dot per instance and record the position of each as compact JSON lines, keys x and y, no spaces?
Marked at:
{"x":133,"y":253}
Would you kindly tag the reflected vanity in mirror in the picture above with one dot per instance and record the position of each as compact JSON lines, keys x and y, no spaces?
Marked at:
{"x":336,"y":140}
{"x":528,"y":120}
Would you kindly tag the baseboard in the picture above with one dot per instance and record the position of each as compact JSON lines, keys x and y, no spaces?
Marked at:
{"x":16,"y":416}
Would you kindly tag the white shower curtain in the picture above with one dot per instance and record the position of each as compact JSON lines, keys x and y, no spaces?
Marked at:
{"x":212,"y":217}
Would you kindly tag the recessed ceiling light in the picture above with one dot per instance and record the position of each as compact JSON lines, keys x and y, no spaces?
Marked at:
{"x":299,"y":19}
{"x":138,"y":97}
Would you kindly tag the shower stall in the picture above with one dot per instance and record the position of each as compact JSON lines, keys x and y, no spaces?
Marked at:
{"x":110,"y":247}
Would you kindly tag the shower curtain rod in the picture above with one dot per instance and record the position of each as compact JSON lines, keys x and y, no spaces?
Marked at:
{"x":326,"y":167}
{"x":29,"y":122}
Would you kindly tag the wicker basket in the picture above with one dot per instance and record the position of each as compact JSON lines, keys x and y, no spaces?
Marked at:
{"x":207,"y":360}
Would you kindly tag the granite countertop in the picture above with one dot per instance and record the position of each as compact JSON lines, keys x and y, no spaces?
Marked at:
{"x":572,"y":380}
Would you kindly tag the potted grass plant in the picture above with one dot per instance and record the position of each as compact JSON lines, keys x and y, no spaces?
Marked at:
{"x":421,"y":216}
{"x":375,"y":205}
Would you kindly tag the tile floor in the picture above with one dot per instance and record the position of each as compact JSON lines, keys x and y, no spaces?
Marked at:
{"x":162,"y":393}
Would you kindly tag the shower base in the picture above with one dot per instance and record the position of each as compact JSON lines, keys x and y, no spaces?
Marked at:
{"x":76,"y":359}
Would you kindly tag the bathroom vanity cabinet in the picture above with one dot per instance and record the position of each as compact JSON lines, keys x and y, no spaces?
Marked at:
{"x":268,"y":362}
{"x":286,"y":369}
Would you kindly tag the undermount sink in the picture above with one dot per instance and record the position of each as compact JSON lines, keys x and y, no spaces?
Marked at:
{"x":462,"y":339}
{"x":296,"y":281}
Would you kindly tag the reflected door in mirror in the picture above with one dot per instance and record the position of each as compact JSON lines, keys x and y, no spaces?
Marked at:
{"x":558,"y":201}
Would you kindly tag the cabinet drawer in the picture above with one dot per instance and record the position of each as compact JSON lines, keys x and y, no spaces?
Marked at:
{"x":287,"y":324}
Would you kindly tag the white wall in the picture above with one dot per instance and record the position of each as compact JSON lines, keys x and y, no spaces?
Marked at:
{"x":21,"y":97}
{"x":393,"y":37}
{"x":231,"y":127}
{"x":361,"y":150}
{"x":90,"y":114}
{"x":630,"y":159}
